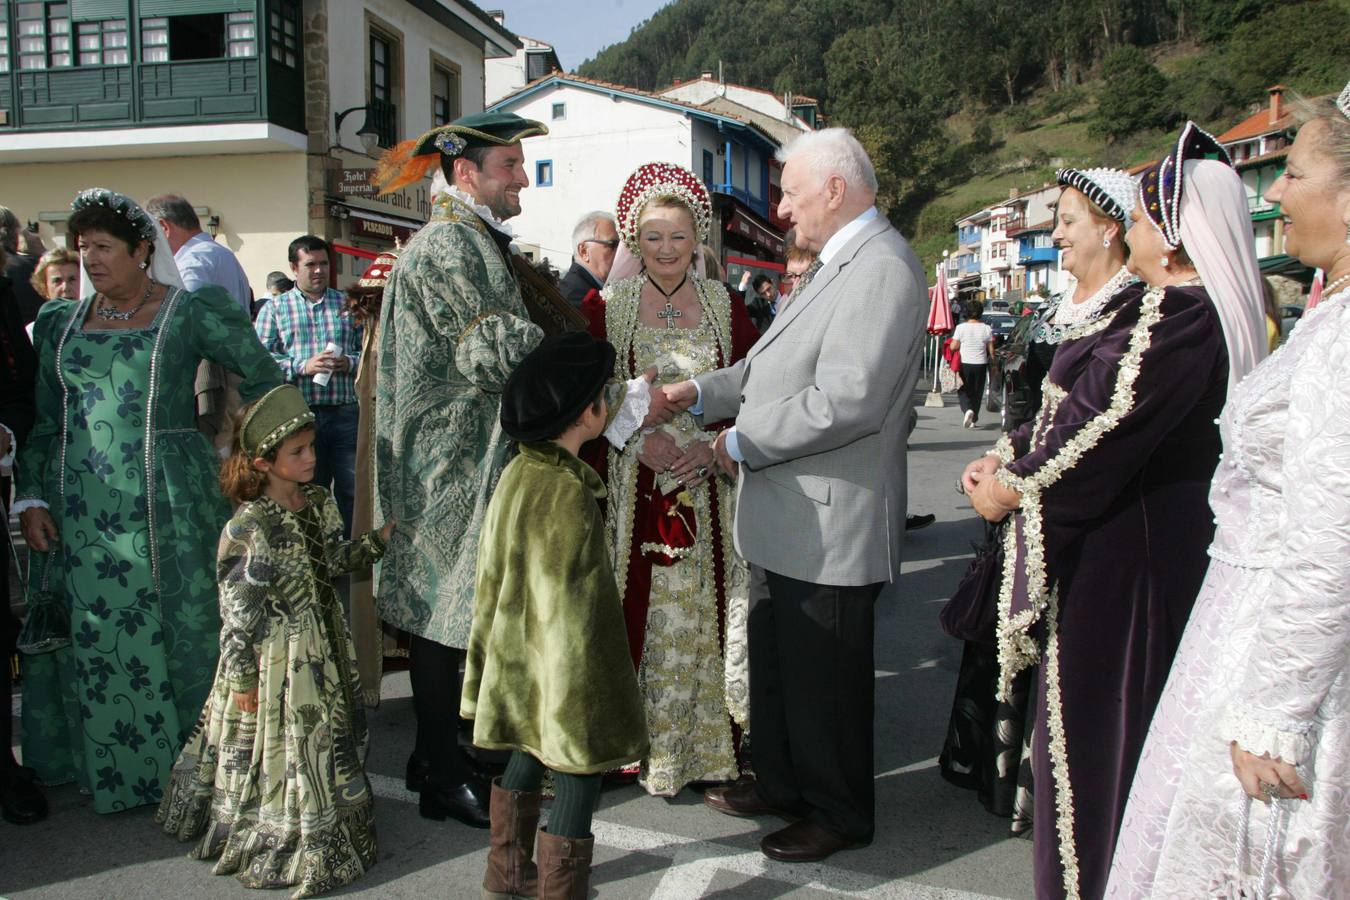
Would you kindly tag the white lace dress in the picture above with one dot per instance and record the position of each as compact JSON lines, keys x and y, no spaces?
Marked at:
{"x":1265,"y":660}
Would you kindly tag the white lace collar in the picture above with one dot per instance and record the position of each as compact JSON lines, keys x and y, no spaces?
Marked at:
{"x":440,"y":186}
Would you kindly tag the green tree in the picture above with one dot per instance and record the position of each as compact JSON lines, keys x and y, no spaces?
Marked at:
{"x":1133,"y":95}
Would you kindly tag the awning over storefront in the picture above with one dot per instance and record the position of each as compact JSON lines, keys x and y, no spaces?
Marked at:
{"x":367,"y":224}
{"x":740,"y":223}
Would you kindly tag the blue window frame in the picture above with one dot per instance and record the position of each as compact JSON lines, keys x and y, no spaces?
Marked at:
{"x":543,"y":173}
{"x":708,"y":167}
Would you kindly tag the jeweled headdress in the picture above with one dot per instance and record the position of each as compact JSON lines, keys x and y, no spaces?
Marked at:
{"x":1343,"y":101}
{"x":377,"y":275}
{"x":1112,"y":190}
{"x":120,"y":204}
{"x":662,"y":179}
{"x":1161,"y":185}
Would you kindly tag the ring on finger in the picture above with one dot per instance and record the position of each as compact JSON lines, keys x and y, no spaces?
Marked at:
{"x":702,"y":471}
{"x":1270,"y":790}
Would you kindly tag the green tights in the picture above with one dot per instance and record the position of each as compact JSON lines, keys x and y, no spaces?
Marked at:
{"x":575,"y":794}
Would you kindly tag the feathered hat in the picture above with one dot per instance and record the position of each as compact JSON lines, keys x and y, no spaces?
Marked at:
{"x":660,"y":179}
{"x":1161,"y":185}
{"x":410,"y":161}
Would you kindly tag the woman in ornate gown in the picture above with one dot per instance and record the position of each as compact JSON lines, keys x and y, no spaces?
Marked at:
{"x":1107,"y":547}
{"x":988,"y":746}
{"x":118,"y":483}
{"x":1258,"y":703}
{"x":669,"y":516}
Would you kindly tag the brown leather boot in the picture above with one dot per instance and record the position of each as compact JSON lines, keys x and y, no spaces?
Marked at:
{"x":564,"y":866}
{"x":511,"y":872}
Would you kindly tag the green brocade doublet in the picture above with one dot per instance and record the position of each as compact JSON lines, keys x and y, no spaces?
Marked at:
{"x":452,"y":329}
{"x":548,"y":670}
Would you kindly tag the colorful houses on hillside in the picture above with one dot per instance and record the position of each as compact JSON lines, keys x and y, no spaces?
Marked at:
{"x":1004,"y":251}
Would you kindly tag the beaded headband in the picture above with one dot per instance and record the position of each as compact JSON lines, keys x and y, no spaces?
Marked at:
{"x":662,"y":180}
{"x":1160,"y":186}
{"x":1112,"y":190}
{"x":280,"y":413}
{"x":120,"y":204}
{"x":1343,"y":101}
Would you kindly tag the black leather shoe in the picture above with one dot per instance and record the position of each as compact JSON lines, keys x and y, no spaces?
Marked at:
{"x":742,"y":800}
{"x":468,"y":802}
{"x":21,"y":800}
{"x":914,"y":523}
{"x":415,"y":776}
{"x":805,"y":841}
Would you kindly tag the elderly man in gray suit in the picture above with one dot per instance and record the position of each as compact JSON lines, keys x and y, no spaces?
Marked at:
{"x":821,"y":404}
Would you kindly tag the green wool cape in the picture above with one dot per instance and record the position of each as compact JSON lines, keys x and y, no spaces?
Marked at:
{"x":548,"y":669}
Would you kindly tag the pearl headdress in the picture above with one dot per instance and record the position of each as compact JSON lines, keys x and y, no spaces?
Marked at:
{"x":120,"y":204}
{"x":662,"y":180}
{"x":1112,"y":190}
{"x":1161,"y":184}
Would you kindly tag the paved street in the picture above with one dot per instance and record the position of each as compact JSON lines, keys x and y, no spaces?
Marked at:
{"x":933,"y":840}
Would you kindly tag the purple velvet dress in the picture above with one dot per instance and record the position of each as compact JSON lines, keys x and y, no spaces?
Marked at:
{"x":1106,"y":556}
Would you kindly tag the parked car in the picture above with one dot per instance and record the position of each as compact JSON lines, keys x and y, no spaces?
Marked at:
{"x":1002,"y":325}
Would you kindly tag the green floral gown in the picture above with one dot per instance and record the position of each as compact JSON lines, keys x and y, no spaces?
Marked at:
{"x":136,"y":555}
{"x":280,"y":795}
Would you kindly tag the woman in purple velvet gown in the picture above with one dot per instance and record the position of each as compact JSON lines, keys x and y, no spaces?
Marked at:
{"x":1109,"y":486}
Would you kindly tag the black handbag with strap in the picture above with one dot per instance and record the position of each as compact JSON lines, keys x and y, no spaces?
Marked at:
{"x":972,"y":612}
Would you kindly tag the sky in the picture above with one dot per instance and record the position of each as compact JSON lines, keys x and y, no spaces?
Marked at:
{"x":575,"y":28}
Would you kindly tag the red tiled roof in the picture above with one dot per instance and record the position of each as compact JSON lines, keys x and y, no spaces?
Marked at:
{"x":1256,"y":125}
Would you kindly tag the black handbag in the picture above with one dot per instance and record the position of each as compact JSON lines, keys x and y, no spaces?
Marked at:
{"x":972,"y":612}
{"x":46,"y":625}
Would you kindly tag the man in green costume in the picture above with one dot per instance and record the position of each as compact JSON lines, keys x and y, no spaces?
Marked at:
{"x":453,"y":327}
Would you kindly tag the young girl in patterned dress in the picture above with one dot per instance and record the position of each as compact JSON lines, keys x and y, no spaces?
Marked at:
{"x":272,"y":779}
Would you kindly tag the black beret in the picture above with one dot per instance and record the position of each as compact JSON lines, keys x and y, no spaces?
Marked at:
{"x":553,"y":385}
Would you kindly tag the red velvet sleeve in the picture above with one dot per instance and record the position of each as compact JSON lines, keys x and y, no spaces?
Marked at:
{"x":743,"y":332}
{"x":593,"y":308}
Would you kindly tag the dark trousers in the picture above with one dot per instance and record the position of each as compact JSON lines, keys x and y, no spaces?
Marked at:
{"x":811,"y":697}
{"x":971,"y":394}
{"x":433,"y":670}
{"x":335,"y":430}
{"x":9,"y":633}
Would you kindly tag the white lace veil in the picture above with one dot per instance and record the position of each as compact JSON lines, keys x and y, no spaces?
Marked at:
{"x":1216,"y":232}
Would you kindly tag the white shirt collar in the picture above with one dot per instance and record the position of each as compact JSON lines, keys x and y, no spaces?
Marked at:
{"x":846,"y":234}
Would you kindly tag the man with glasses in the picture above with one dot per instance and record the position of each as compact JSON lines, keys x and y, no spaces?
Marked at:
{"x":594,"y":243}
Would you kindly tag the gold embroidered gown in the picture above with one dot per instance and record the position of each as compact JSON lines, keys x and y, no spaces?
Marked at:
{"x":685,"y":591}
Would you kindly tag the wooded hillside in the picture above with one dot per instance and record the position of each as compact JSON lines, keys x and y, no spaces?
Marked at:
{"x":958,"y":100}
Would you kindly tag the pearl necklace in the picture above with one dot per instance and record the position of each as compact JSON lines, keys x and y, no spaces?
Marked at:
{"x":1070,"y":313}
{"x":1336,"y":285}
{"x":109,"y":313}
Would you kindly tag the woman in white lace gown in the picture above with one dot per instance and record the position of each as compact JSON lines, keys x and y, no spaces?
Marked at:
{"x":685,"y":592}
{"x":1243,"y":788}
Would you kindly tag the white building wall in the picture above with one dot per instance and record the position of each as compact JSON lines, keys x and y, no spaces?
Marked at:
{"x":593,"y":151}
{"x":418,"y":37}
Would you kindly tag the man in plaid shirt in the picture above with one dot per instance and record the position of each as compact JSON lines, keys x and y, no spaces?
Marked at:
{"x":296,"y":328}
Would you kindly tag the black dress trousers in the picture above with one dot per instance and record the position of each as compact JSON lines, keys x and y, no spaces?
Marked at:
{"x":811,"y":699}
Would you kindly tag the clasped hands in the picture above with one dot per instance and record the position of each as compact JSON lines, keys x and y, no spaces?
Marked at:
{"x":666,"y":401}
{"x":990,"y":499}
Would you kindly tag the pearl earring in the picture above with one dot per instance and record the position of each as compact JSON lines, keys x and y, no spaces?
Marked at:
{"x":1106,"y":243}
{"x":1166,"y":262}
{"x":143,"y":264}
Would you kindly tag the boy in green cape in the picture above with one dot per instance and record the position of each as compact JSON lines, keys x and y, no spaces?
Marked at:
{"x":548,"y":673}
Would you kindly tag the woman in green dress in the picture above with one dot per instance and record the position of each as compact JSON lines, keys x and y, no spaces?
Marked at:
{"x":117,"y":483}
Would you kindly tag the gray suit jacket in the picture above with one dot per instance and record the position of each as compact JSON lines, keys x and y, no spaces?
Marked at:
{"x":821,"y":405}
